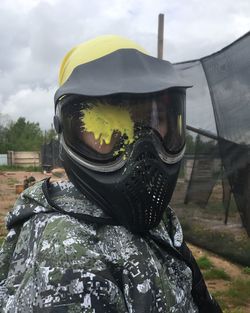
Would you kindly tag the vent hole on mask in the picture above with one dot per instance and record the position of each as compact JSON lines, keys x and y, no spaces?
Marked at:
{"x":146,"y":156}
{"x":146,"y":194}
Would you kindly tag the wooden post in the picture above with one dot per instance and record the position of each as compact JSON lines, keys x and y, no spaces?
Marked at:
{"x":160,"y":36}
{"x":11,"y":158}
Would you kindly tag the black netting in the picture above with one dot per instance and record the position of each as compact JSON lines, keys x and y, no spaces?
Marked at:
{"x":237,"y":169}
{"x":50,"y":155}
{"x":218,"y":109}
{"x":199,"y":106}
{"x":228,"y":77}
{"x":206,"y":171}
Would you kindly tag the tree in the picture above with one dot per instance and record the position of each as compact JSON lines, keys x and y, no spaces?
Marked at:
{"x":3,"y":139}
{"x":205,"y":145}
{"x":4,"y":124}
{"x":23,"y":135}
{"x":190,"y":144}
{"x":50,"y":135}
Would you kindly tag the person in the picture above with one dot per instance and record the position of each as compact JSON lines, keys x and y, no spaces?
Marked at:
{"x":107,"y":239}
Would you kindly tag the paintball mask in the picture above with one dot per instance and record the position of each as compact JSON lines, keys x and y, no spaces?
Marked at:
{"x":122,"y":134}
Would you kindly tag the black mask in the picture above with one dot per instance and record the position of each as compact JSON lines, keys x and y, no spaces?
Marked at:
{"x":135,"y":195}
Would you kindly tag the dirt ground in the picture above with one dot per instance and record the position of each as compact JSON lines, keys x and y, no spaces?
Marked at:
{"x":9,"y":184}
{"x":8,"y":195}
{"x":234,"y":270}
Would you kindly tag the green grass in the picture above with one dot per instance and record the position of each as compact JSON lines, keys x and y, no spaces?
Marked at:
{"x":224,"y":244}
{"x":235,"y":310}
{"x":246,"y":270}
{"x":15,"y":168}
{"x":216,"y":273}
{"x":239,"y":292}
{"x":3,"y":232}
{"x":1,"y":240}
{"x":216,"y":207}
{"x":237,"y":295}
{"x":204,"y":263}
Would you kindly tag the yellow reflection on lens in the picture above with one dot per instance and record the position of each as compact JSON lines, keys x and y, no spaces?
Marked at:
{"x":103,"y":120}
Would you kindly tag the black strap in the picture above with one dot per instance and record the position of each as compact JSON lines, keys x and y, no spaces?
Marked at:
{"x":201,"y":296}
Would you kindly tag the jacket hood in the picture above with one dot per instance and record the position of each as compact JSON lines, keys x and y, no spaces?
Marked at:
{"x":64,"y":194}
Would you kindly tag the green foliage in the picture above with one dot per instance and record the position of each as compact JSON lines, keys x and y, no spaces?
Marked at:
{"x":21,"y":135}
{"x":190,"y":144}
{"x":14,"y":168}
{"x":50,"y":134}
{"x":196,"y":144}
{"x":216,"y":273}
{"x":205,"y":147}
{"x":246,"y":270}
{"x":4,"y":122}
{"x":204,"y":263}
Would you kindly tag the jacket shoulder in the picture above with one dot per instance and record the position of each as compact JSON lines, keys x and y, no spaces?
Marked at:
{"x":58,"y":256}
{"x":30,"y":202}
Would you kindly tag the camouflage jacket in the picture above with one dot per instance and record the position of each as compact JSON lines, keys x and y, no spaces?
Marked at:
{"x":53,"y":262}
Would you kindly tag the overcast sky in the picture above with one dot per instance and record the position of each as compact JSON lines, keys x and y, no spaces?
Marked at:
{"x":36,"y":34}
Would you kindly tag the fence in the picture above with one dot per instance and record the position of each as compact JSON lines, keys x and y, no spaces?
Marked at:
{"x":23,"y":158}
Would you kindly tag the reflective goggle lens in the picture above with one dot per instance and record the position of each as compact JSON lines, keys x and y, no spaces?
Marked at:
{"x":106,"y":127}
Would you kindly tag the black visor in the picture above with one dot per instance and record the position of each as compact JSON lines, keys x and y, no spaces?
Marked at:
{"x":104,"y":129}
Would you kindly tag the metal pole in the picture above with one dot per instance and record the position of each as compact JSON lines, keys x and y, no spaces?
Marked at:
{"x":203,"y":133}
{"x":160,"y":36}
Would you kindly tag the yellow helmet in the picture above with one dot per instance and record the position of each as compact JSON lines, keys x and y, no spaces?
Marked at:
{"x":113,"y":65}
{"x":92,"y":50}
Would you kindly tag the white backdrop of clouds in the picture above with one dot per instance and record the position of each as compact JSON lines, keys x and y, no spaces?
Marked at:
{"x":36,"y":34}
